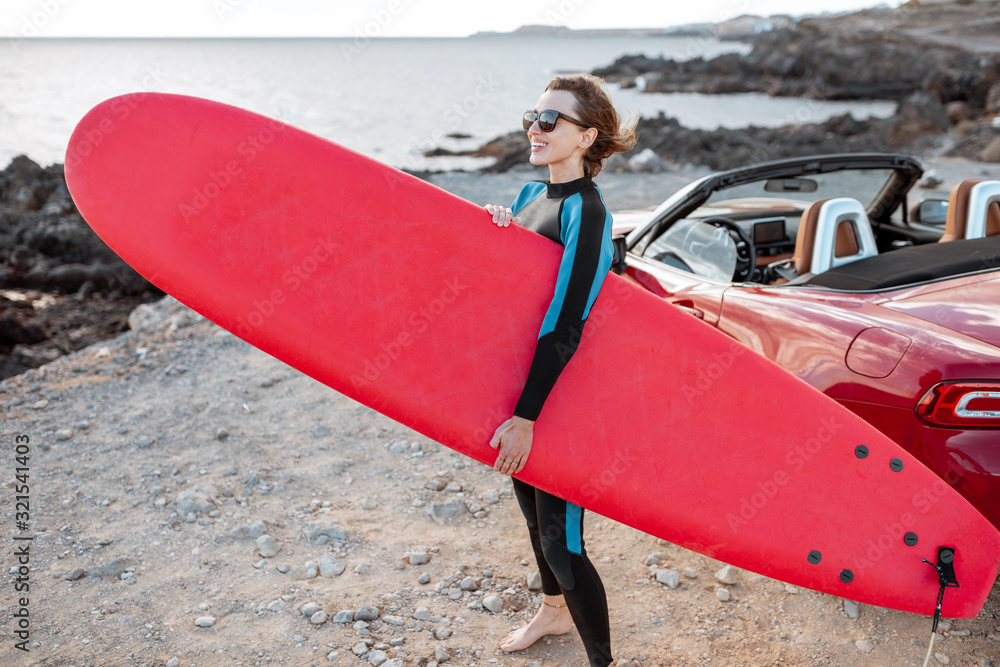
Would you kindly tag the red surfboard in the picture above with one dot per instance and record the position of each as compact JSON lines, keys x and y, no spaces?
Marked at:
{"x":409,"y":300}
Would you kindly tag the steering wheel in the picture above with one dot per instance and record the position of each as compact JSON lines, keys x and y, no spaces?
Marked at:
{"x":746,"y":255}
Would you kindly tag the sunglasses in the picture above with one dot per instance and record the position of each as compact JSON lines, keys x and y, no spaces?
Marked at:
{"x":546,"y":119}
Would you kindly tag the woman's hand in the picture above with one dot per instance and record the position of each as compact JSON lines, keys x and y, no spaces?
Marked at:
{"x":502,"y":215}
{"x":513,"y":437}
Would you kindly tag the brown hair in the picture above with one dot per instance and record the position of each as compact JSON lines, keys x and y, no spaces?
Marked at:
{"x":594,"y":109}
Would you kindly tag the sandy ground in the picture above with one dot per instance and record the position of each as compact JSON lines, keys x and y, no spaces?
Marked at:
{"x":158,"y":458}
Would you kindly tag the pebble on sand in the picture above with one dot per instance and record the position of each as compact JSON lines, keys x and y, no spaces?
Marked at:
{"x":864,"y":645}
{"x":722,"y":594}
{"x":727,"y":574}
{"x":418,"y":557}
{"x":668,"y":578}
{"x":366,"y":613}
{"x":205,"y":621}
{"x":330,"y":566}
{"x":268,"y":546}
{"x":493,"y":603}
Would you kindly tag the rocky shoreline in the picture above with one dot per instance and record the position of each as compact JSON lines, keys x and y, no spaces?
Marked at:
{"x":61,"y":287}
{"x":947,"y":90}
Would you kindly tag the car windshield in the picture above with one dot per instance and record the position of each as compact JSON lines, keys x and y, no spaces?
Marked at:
{"x":860,"y":184}
{"x":692,"y":245}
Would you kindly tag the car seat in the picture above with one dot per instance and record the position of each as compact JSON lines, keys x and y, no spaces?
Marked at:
{"x":973,"y":211}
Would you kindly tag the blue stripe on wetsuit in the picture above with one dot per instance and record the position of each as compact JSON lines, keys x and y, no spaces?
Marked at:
{"x":584,"y":229}
{"x":574,"y":528}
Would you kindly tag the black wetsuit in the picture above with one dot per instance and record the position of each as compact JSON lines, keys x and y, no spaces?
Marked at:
{"x":572,"y":214}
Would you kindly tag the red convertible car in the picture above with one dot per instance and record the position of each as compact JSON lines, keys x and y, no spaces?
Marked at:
{"x":823,"y":265}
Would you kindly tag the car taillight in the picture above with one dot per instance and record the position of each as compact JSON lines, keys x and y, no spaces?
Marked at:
{"x":961,"y":404}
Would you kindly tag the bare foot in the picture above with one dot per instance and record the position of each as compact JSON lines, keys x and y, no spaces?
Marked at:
{"x":548,"y":621}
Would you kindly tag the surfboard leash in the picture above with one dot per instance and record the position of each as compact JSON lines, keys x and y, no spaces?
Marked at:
{"x":945,"y":567}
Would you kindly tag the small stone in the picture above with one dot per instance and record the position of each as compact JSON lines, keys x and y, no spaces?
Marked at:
{"x":75,"y":573}
{"x":668,"y":578}
{"x":377,"y":658}
{"x":205,"y":621}
{"x":299,"y":639}
{"x":268,"y":546}
{"x":344,"y":616}
{"x":64,"y":434}
{"x":442,"y":512}
{"x":323,"y":534}
{"x":534,"y":581}
{"x":283,"y":568}
{"x":393,"y":620}
{"x":418,"y":557}
{"x":791,"y":590}
{"x":173,"y":662}
{"x":469,"y":584}
{"x":942,"y":658}
{"x":397,"y":641}
{"x":690,"y":573}
{"x":197,"y":499}
{"x":318,"y":618}
{"x":851,"y":609}
{"x":366,"y":613}
{"x":864,"y":645}
{"x":359,"y":649}
{"x":422,"y":614}
{"x":369,"y":503}
{"x":722,"y":594}
{"x":727,"y":575}
{"x":330,"y":566}
{"x":443,"y":633}
{"x":440,"y":654}
{"x":308,"y":609}
{"x":221,"y":433}
{"x":424,"y":578}
{"x":311,"y":570}
{"x":399,"y":448}
{"x":493,"y":603}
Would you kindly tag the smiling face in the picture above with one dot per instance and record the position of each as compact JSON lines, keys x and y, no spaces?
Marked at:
{"x":563,"y":148}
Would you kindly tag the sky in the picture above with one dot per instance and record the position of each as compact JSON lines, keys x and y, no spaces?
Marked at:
{"x":369,"y":18}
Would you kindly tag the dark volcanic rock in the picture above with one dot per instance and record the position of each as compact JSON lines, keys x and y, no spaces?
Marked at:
{"x":814,"y":60}
{"x":916,"y":126}
{"x":67,"y":288}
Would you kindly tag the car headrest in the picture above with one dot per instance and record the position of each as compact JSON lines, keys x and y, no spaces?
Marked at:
{"x":973,"y":210}
{"x":833,"y":232}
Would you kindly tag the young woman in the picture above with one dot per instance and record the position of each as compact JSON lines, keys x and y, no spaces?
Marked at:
{"x":572,"y":129}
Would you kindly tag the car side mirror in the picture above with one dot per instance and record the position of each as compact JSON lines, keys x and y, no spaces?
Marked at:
{"x":930,"y":211}
{"x":618,"y":261}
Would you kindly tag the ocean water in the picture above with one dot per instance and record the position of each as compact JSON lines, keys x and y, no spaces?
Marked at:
{"x":391,"y":99}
